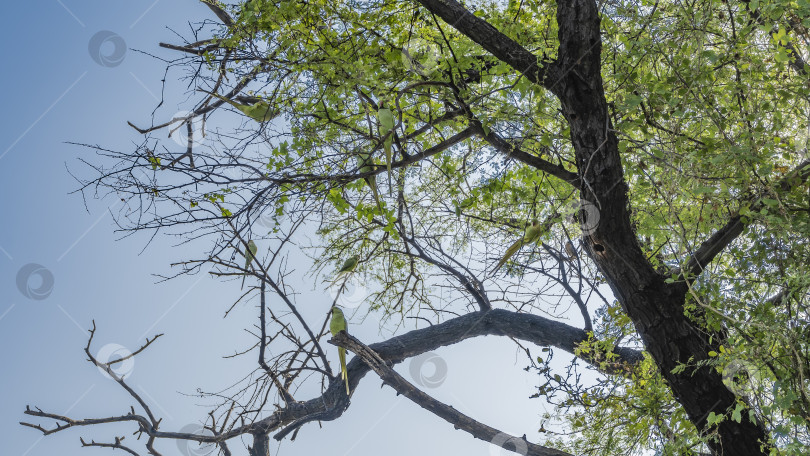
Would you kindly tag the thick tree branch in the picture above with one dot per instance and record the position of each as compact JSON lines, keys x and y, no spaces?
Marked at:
{"x":331,"y":404}
{"x":491,"y":39}
{"x":261,"y":445}
{"x":531,"y":328}
{"x":223,"y":16}
{"x":718,"y":241}
{"x":444,"y":411}
{"x":532,"y":160}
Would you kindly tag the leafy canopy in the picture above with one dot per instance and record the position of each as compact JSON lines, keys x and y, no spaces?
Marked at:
{"x":709,"y":100}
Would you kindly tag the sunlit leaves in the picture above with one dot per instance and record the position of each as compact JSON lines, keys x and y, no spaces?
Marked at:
{"x":709,"y":111}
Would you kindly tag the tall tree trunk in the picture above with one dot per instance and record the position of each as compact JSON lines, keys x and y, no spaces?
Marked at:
{"x":656,"y":308}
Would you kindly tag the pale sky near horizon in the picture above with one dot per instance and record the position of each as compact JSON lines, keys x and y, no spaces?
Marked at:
{"x":57,"y":93}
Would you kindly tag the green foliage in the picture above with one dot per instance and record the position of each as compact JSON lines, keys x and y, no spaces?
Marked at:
{"x":711,"y":116}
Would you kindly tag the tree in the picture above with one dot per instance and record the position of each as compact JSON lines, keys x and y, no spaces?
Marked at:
{"x":660,"y":146}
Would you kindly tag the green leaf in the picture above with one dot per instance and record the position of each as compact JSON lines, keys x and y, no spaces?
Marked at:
{"x":736,"y":415}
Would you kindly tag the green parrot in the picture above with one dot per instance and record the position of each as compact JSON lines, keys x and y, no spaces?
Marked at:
{"x":533,"y":233}
{"x":367,"y":166}
{"x":250,"y":254}
{"x":348,"y":267}
{"x":336,"y":325}
{"x":259,"y":111}
{"x":386,"y":118}
{"x":349,"y":264}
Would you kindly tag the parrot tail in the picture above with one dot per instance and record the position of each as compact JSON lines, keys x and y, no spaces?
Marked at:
{"x":373,"y":185}
{"x":509,"y":252}
{"x":337,"y":278}
{"x":388,"y":159}
{"x":343,"y":373}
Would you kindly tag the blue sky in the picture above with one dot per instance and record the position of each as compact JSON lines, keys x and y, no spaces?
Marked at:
{"x":56,"y":92}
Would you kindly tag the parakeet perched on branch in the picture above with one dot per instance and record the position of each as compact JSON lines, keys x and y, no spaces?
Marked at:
{"x":259,"y":111}
{"x":336,"y":325}
{"x":386,"y":118}
{"x":349,"y":264}
{"x":250,"y":254}
{"x":367,"y":166}
{"x":348,"y":267}
{"x":532,"y":234}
